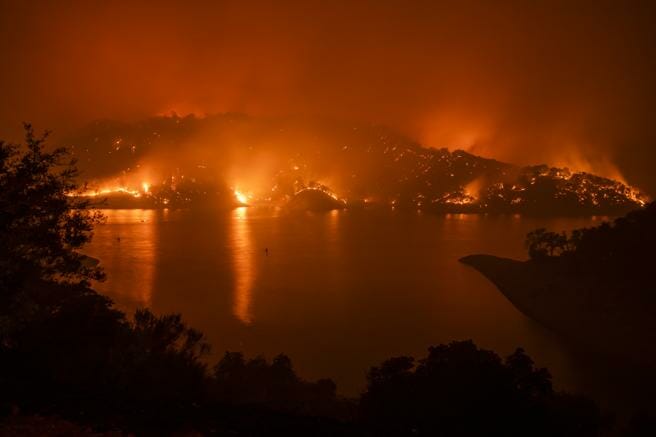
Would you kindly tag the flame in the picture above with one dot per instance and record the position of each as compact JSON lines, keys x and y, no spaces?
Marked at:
{"x":109,"y":190}
{"x":324,"y":189}
{"x":146,"y":187}
{"x":241,"y":197}
{"x":460,"y":200}
{"x":473,"y":189}
{"x":637,"y":196}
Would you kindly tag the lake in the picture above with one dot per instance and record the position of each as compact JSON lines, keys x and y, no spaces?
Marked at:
{"x":338,"y":291}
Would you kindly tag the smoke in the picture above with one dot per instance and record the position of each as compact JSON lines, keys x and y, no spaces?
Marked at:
{"x":567,"y":83}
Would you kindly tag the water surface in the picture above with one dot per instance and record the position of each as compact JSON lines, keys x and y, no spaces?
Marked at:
{"x":338,"y":291}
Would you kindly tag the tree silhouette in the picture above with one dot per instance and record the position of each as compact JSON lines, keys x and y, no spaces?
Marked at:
{"x":274,"y":384}
{"x":542,"y":244}
{"x":41,"y":225}
{"x":63,"y":347}
{"x":461,"y":390}
{"x":614,"y":255}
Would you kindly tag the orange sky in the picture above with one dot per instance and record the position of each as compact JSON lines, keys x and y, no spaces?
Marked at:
{"x":561,"y":82}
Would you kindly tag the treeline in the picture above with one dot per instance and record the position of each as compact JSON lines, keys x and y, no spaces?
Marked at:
{"x":626,"y":238}
{"x":617,"y":255}
{"x":88,"y":364}
{"x":65,"y":351}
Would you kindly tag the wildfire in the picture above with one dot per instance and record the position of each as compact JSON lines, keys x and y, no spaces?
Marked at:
{"x":324,"y":190}
{"x":636,"y":196}
{"x":460,"y":200}
{"x":241,"y":197}
{"x":480,"y":192}
{"x":108,"y":190}
{"x":111,"y":190}
{"x":472,"y":190}
{"x":331,"y":194}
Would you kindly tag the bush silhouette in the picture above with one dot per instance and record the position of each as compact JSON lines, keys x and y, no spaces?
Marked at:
{"x":461,"y":390}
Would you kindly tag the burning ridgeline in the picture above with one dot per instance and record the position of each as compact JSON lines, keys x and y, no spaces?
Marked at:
{"x":367,"y":165}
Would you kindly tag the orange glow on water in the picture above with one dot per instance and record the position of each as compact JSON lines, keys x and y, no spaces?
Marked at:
{"x":243,"y":266}
{"x":133,"y":231}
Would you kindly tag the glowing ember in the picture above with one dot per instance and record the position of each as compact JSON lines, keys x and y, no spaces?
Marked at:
{"x":636,"y":196}
{"x":322,"y":189}
{"x":460,"y":200}
{"x":112,"y":190}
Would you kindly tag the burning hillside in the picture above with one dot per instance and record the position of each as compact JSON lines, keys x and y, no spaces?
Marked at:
{"x":233,"y":159}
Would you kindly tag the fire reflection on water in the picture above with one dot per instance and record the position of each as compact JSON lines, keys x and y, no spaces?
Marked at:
{"x":243,"y":265}
{"x":126,"y":246}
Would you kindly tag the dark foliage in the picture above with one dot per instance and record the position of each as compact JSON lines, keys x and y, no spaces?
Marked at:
{"x":624,"y":240}
{"x":41,"y":225}
{"x":641,"y":424}
{"x":256,"y":382}
{"x":461,"y":390}
{"x":542,"y":244}
{"x":617,"y":255}
{"x":63,"y":347}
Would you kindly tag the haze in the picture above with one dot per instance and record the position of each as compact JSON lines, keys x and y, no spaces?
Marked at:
{"x":541,"y":82}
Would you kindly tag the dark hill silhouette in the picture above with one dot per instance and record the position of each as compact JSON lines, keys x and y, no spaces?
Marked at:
{"x":594,"y":285}
{"x":314,"y":200}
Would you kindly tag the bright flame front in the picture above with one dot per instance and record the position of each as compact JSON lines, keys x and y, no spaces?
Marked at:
{"x":241,"y":197}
